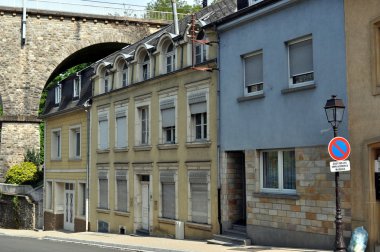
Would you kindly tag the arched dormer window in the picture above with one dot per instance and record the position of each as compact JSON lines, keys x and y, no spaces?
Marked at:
{"x":124,"y":75}
{"x":104,"y":77}
{"x":200,"y":49}
{"x":106,"y":81}
{"x":170,"y":58}
{"x":145,"y":67}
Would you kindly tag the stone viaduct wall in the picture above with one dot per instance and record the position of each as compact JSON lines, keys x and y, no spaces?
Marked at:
{"x":51,"y":37}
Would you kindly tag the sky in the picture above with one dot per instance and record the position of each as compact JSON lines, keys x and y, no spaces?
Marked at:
{"x":118,"y":7}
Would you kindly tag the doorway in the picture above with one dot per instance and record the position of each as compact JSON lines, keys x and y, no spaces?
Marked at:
{"x":68,"y":215}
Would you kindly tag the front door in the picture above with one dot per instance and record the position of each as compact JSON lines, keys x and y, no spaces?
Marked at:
{"x":145,"y":205}
{"x":68,"y":215}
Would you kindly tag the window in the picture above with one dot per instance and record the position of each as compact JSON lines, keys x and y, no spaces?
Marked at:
{"x":144,"y":124}
{"x":252,"y":2}
{"x":167,"y":108}
{"x":200,"y":49}
{"x":49,"y":195}
{"x":103,"y":226}
{"x":103,"y":131}
{"x":198,"y":111}
{"x":121,"y":190}
{"x":56,"y":144}
{"x":199,"y":196}
{"x":170,"y":59}
{"x":103,"y":190}
{"x":77,"y":87}
{"x":301,"y":62}
{"x":253,"y":73}
{"x":145,"y":68}
{"x":278,"y":170}
{"x":124,"y":76}
{"x":58,"y":93}
{"x":121,"y":136}
{"x":106,"y":82}
{"x":75,"y":142}
{"x":82,"y":199}
{"x":168,"y":201}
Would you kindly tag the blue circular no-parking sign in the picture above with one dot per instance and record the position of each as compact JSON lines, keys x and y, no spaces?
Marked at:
{"x":339,"y":148}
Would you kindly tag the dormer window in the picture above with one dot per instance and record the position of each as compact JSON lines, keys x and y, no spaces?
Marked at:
{"x":200,"y":49}
{"x":58,"y":93}
{"x":252,"y":2}
{"x":170,"y":59}
{"x":145,"y":68}
{"x":124,"y":76}
{"x":77,"y":87}
{"x":106,"y":82}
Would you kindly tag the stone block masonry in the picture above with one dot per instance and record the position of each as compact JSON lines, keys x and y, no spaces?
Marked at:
{"x":52,"y":38}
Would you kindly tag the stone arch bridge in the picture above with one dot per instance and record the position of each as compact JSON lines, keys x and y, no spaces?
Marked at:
{"x":55,"y":41}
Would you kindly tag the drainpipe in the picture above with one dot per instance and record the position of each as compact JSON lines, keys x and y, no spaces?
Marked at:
{"x":175,"y":17}
{"x":44,"y":167}
{"x":23,"y":25}
{"x":218,"y":136}
{"x":87,"y":107}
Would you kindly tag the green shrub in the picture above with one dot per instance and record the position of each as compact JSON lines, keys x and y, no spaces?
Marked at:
{"x":21,"y":174}
{"x":32,"y":156}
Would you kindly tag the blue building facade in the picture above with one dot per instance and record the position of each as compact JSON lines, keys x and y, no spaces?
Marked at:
{"x":279,"y":62}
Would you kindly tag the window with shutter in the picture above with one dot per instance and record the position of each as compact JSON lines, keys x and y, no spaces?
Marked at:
{"x":168,"y":120}
{"x":253,"y":73}
{"x":199,"y":196}
{"x":103,"y":131}
{"x":121,"y":129}
{"x":103,"y":190}
{"x":301,"y":61}
{"x":168,"y":201}
{"x":121,"y":191}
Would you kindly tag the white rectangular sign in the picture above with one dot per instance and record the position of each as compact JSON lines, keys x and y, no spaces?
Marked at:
{"x":338,"y":166}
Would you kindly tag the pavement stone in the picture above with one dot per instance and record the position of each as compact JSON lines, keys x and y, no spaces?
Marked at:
{"x":139,"y":243}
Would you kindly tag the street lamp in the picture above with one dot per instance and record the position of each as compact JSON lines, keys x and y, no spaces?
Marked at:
{"x":334,"y":109}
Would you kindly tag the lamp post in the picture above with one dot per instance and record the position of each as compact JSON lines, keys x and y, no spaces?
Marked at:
{"x":334,"y":109}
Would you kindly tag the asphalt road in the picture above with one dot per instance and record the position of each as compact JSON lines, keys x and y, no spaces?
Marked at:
{"x":20,"y":244}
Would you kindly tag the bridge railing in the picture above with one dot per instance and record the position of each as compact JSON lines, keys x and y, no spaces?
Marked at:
{"x":94,"y":7}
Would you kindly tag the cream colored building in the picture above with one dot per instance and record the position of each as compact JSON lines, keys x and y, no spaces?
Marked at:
{"x":154,"y":137}
{"x":65,"y":177}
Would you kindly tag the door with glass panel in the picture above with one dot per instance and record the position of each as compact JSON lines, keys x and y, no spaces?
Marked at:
{"x":68,"y":215}
{"x":145,"y":205}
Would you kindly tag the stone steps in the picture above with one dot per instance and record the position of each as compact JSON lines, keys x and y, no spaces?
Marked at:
{"x":237,"y":235}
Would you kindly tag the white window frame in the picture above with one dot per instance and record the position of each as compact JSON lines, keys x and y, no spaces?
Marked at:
{"x":172,"y":56}
{"x":108,"y":189}
{"x":123,"y":108}
{"x":139,"y":104}
{"x":246,"y":93}
{"x":162,"y":132}
{"x":56,"y":150}
{"x":292,"y":42}
{"x":147,"y":64}
{"x":81,"y":209}
{"x":58,"y":93}
{"x":280,"y":188}
{"x":116,"y":191}
{"x":73,"y":130}
{"x":106,"y":83}
{"x":191,"y":117}
{"x":77,"y":86}
{"x":124,"y":72}
{"x":203,"y":52}
{"x":103,"y":113}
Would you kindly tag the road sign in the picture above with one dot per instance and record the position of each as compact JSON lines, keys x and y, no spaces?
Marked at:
{"x":338,"y":166}
{"x":339,"y":148}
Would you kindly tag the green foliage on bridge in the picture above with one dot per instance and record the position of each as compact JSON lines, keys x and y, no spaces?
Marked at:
{"x":157,"y":8}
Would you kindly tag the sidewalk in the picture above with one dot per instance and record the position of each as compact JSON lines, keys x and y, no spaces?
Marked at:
{"x":138,"y":243}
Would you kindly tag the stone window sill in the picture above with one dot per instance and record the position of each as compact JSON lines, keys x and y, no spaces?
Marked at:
{"x":120,"y":213}
{"x":102,"y":151}
{"x":75,"y":159}
{"x":297,"y":89}
{"x":142,"y":148}
{"x":206,"y":227}
{"x":203,"y":144}
{"x":166,"y":221}
{"x":56,"y":159}
{"x":276,"y":195}
{"x":124,"y":149}
{"x":101,"y":210}
{"x":167,"y":146}
{"x":251,"y":97}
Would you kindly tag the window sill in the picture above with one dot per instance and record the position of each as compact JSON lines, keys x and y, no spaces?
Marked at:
{"x":102,"y":151}
{"x":167,"y":146}
{"x":56,"y":159}
{"x":75,"y":159}
{"x":120,"y":213}
{"x":205,"y":227}
{"x":122,"y":149}
{"x":251,"y":97}
{"x":203,"y":144}
{"x":296,"y":89}
{"x":101,"y":210}
{"x":142,"y":148}
{"x":166,"y":221}
{"x":276,"y":195}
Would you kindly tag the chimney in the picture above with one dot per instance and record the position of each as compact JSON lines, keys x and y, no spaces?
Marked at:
{"x":204,"y":3}
{"x":241,"y":4}
{"x":175,"y":17}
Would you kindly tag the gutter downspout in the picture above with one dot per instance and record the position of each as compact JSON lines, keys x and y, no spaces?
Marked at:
{"x":23,"y":25}
{"x":87,"y":107}
{"x":218,"y":135}
{"x":44,"y":166}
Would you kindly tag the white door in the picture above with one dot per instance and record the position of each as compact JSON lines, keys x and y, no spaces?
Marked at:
{"x":68,"y":223}
{"x":145,"y":205}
